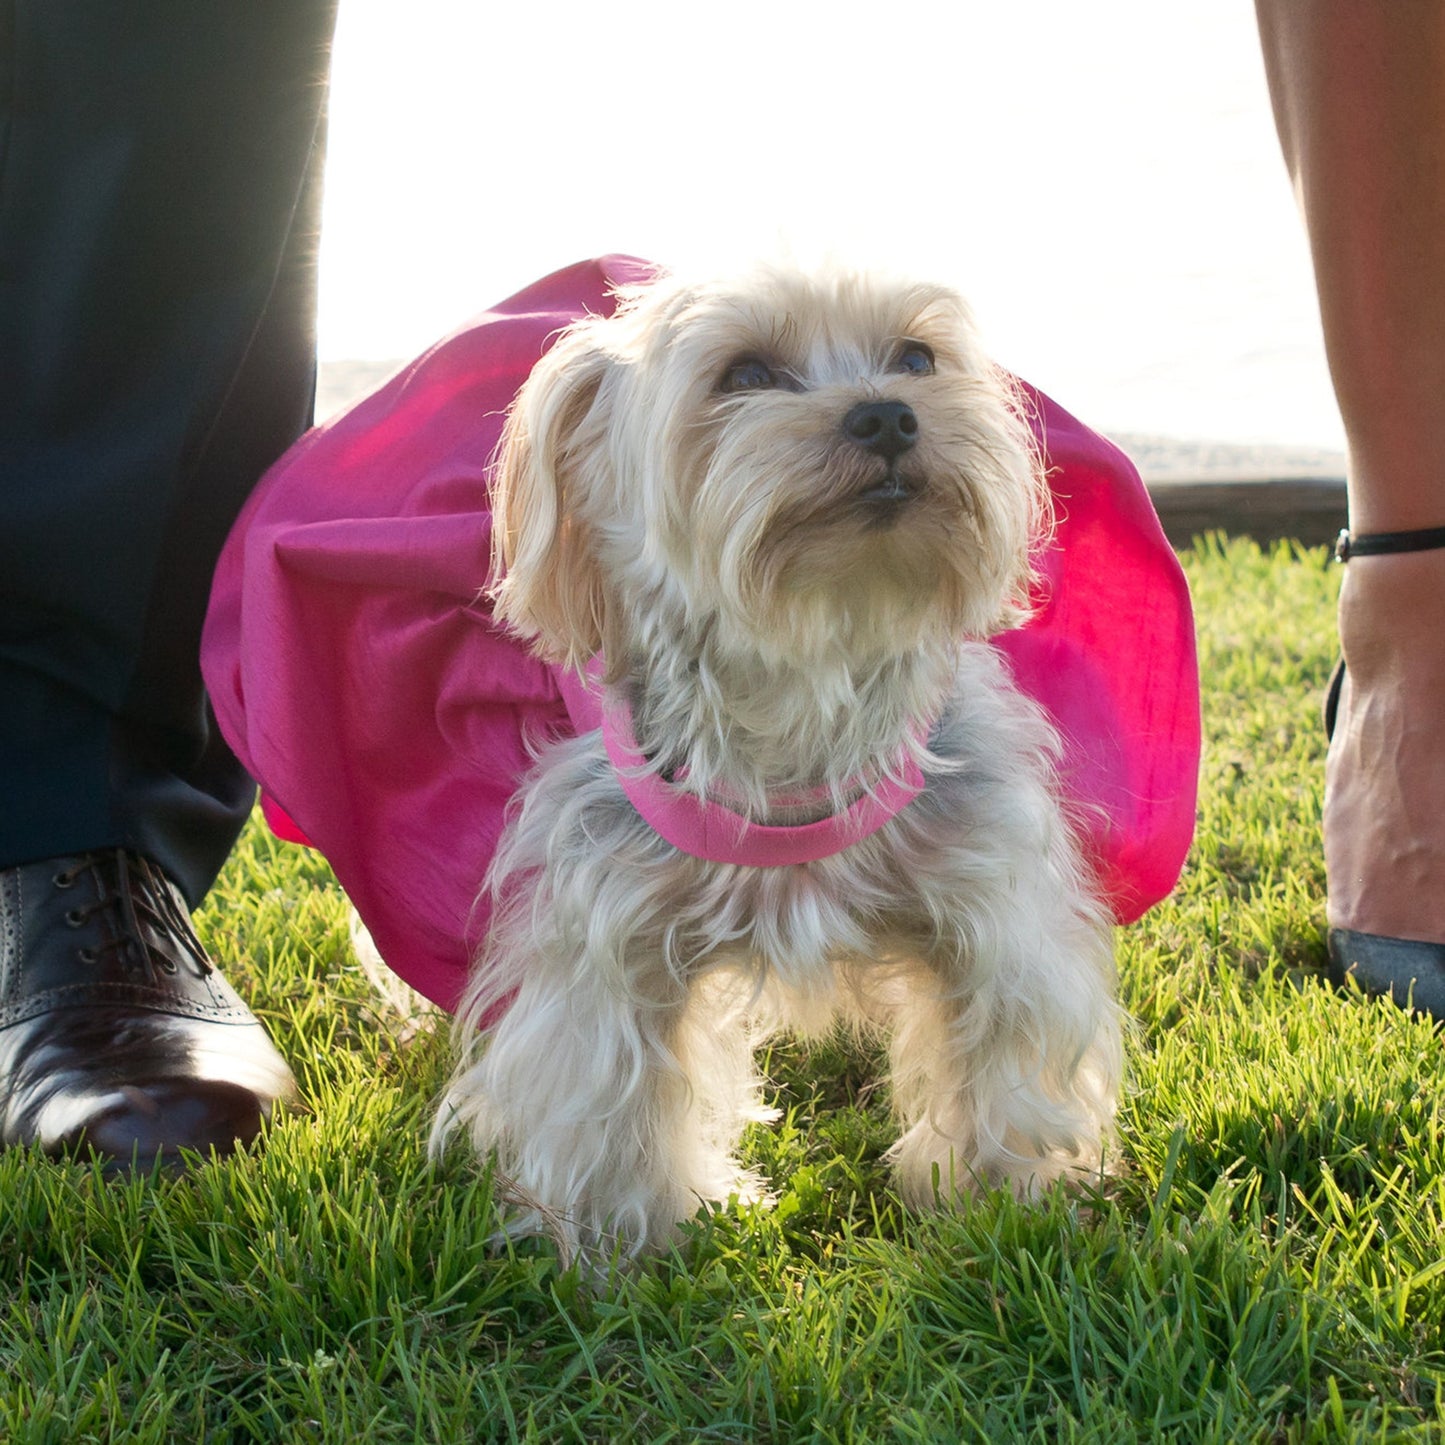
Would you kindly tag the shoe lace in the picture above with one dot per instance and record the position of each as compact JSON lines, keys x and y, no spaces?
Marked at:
{"x":140,"y":916}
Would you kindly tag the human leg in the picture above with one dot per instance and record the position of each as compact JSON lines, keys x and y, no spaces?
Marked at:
{"x":1359,"y":96}
{"x":158,"y":218}
{"x":159,"y":197}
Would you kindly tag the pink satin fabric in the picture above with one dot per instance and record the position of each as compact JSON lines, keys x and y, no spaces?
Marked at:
{"x":356,"y":669}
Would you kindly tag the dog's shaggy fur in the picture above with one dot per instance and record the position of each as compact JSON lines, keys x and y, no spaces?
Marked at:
{"x":792,"y":598}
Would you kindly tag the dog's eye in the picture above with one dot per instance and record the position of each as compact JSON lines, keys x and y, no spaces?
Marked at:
{"x":915,"y":359}
{"x":749,"y":374}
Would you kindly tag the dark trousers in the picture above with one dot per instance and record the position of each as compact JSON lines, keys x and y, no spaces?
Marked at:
{"x":160,"y":168}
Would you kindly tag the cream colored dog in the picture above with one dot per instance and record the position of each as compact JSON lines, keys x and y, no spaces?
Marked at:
{"x":787,"y":512}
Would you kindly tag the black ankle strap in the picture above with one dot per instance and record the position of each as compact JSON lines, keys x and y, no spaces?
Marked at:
{"x":1373,"y":544}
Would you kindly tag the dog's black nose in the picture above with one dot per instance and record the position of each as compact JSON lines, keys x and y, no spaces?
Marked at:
{"x":886,"y":427}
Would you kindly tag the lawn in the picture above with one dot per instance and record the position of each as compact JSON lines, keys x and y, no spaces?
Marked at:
{"x":1266,"y":1266}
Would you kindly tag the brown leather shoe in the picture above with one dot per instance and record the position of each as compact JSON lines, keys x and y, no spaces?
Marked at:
{"x":116,"y":1031}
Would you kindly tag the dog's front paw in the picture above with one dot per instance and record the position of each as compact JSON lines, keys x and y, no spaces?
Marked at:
{"x":622,"y":1218}
{"x":933,"y":1170}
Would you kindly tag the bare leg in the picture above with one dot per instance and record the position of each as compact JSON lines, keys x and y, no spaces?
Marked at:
{"x":1359,"y":97}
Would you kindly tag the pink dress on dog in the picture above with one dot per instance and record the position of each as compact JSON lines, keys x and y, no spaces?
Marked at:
{"x":356,"y":669}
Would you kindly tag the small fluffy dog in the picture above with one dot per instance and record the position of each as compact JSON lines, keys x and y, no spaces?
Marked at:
{"x":787,"y":513}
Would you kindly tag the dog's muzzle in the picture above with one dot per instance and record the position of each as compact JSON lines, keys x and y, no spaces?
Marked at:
{"x":888,"y":429}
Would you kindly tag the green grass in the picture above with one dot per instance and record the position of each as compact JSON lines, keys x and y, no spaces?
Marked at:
{"x":1268,"y":1265}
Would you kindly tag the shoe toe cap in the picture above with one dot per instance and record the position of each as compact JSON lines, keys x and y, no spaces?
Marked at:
{"x":173,"y":1114}
{"x":135,"y":1085}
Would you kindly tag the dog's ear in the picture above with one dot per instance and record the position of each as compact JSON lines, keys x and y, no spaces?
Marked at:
{"x":547,"y":583}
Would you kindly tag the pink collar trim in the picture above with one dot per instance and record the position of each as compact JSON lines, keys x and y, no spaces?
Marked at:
{"x":713,"y":831}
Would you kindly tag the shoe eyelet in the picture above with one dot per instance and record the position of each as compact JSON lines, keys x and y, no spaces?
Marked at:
{"x":75,"y":918}
{"x":64,"y":880}
{"x":88,"y":955}
{"x":167,"y":965}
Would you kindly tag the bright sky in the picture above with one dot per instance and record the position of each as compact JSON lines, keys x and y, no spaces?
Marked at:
{"x":1101,"y":179}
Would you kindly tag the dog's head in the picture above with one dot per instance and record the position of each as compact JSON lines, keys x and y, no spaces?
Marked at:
{"x":786,"y":465}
